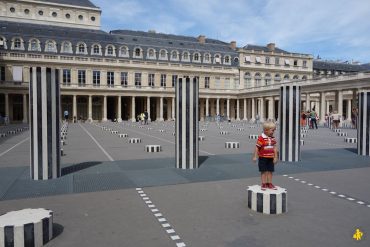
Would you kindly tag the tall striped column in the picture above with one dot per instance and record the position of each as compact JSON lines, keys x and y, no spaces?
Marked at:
{"x":44,"y":123}
{"x":187,"y":124}
{"x":290,"y":107}
{"x":363,"y":126}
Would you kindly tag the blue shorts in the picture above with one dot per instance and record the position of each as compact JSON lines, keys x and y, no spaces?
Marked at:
{"x":266,"y":164}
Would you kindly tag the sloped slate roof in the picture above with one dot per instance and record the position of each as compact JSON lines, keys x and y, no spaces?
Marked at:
{"x":328,"y":65}
{"x":264,"y":48}
{"x":82,"y":3}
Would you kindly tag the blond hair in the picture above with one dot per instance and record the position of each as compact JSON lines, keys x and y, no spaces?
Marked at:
{"x":269,"y":125}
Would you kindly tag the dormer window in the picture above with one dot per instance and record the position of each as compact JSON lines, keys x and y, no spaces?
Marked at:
{"x":227,"y":60}
{"x":34,"y":45}
{"x":207,"y":58}
{"x":66,"y":47}
{"x":151,"y":54}
{"x":217,"y":59}
{"x":123,"y":51}
{"x":81,"y":48}
{"x":50,"y":46}
{"x":96,"y":50}
{"x":138,"y":53}
{"x":196,"y":57}
{"x":2,"y":43}
{"x":185,"y":56}
{"x":110,"y":51}
{"x":17,"y":44}
{"x":163,"y":55}
{"x":174,"y":56}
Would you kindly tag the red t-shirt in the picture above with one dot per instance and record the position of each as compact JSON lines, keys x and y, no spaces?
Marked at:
{"x":265,"y":145}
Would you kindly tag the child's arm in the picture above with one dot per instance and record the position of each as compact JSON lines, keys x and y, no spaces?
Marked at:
{"x":275,"y":155}
{"x":255,"y":155}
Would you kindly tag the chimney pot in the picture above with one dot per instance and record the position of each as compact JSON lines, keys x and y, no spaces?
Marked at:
{"x":233,"y":45}
{"x":271,"y":46}
{"x":202,"y":39}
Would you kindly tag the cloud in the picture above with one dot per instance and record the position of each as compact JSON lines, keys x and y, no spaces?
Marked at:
{"x":331,"y":27}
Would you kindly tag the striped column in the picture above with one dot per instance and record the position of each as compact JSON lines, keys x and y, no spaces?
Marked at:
{"x":363,"y":126}
{"x":289,"y":114}
{"x":187,"y":124}
{"x":44,"y":123}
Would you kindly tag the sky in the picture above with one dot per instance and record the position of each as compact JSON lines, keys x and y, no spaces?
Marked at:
{"x":331,"y":29}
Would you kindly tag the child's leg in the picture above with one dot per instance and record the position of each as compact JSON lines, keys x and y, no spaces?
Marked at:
{"x":269,"y":177}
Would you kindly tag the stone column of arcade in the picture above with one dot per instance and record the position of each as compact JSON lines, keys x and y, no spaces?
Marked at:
{"x":363,"y":126}
{"x":289,"y":116}
{"x":187,"y":123}
{"x":119,"y":110}
{"x":44,"y":123}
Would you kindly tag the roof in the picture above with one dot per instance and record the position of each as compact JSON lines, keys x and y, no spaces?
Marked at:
{"x":336,"y":66}
{"x":81,"y":3}
{"x":264,"y":48}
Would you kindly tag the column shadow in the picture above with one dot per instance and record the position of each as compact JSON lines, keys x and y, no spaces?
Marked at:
{"x":78,"y":167}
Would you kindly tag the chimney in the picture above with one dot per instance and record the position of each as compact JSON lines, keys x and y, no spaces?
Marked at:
{"x":151,"y":31}
{"x":202,"y":39}
{"x":233,"y":45}
{"x":271,"y":46}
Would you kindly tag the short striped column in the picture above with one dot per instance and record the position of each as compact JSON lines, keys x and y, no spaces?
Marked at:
{"x":253,"y":136}
{"x":232,"y":144}
{"x":289,"y":116}
{"x":134,"y":140}
{"x":44,"y":123}
{"x":187,"y":123}
{"x":363,"y":127}
{"x":153,"y":148}
{"x":26,"y":228}
{"x":350,"y":140}
{"x":267,"y":201}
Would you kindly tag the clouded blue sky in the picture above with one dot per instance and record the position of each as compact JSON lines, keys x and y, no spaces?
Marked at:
{"x":333,"y":29}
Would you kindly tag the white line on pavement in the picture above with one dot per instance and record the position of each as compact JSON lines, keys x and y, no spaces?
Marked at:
{"x":97,"y":143}
{"x":19,"y":143}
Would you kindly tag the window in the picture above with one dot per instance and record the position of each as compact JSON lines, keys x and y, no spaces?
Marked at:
{"x":41,"y":12}
{"x":286,"y":78}
{"x":50,"y":46}
{"x":123,"y":51}
{"x":137,"y":52}
{"x":124,"y":79}
{"x":81,"y":48}
{"x":277,"y":61}
{"x":81,"y":78}
{"x":34,"y":45}
{"x":110,"y":51}
{"x":151,"y":54}
{"x":217,"y":82}
{"x":196,"y":57}
{"x":217,"y":59}
{"x":304,"y":64}
{"x":96,"y":78}
{"x":267,"y":79}
{"x":151,"y":80}
{"x":247,"y":80}
{"x":163,"y":54}
{"x":12,"y":9}
{"x":110,"y":79}
{"x":206,"y":82}
{"x":227,"y":60}
{"x":185,"y":56}
{"x":247,"y":59}
{"x":67,"y":77}
{"x":163,"y":80}
{"x":138,"y":79}
{"x":18,"y":44}
{"x":80,"y":17}
{"x":67,"y":47}
{"x":2,"y":43}
{"x":295,"y":78}
{"x":174,"y":80}
{"x":96,"y":50}
{"x":68,"y":16}
{"x":174,"y":55}
{"x":54,"y":14}
{"x":267,"y":60}
{"x":277,"y":78}
{"x":92,"y":18}
{"x":286,"y":62}
{"x":257,"y":79}
{"x":207,"y":58}
{"x":304,"y":77}
{"x":17,"y":73}
{"x":258,"y":60}
{"x":295,"y":62}
{"x":2,"y":73}
{"x":26,"y":11}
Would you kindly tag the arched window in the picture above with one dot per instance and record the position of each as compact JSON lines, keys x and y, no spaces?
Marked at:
{"x":304,"y":77}
{"x":277,"y":78}
{"x":227,"y":59}
{"x":295,"y":78}
{"x":286,"y":78}
{"x":185,"y":56}
{"x":123,"y":51}
{"x":110,"y":50}
{"x":151,"y":54}
{"x":66,"y":47}
{"x":34,"y":45}
{"x":17,"y":44}
{"x":137,"y":53}
{"x":81,"y":48}
{"x":268,"y":79}
{"x":175,"y":55}
{"x":257,"y":79}
{"x":163,"y":54}
{"x":207,"y":58}
{"x":247,"y":80}
{"x":50,"y":46}
{"x":96,"y":49}
{"x":217,"y":59}
{"x":196,"y":57}
{"x":3,"y":43}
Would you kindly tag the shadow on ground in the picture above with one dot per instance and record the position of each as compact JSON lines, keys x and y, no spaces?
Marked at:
{"x":78,"y":167}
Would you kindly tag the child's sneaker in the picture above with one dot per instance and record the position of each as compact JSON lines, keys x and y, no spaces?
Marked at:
{"x":264,"y":186}
{"x":271,"y":186}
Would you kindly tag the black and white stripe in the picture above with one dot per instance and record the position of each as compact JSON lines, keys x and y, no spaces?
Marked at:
{"x":153,"y":148}
{"x":232,"y":144}
{"x":350,"y":140}
{"x":44,"y":121}
{"x":134,"y":140}
{"x":253,"y":136}
{"x":289,"y":116}
{"x":268,"y":201}
{"x":34,"y":227}
{"x":187,"y":124}
{"x":363,"y":128}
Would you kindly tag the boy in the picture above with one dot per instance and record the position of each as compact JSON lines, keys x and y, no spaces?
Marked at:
{"x":267,"y":154}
